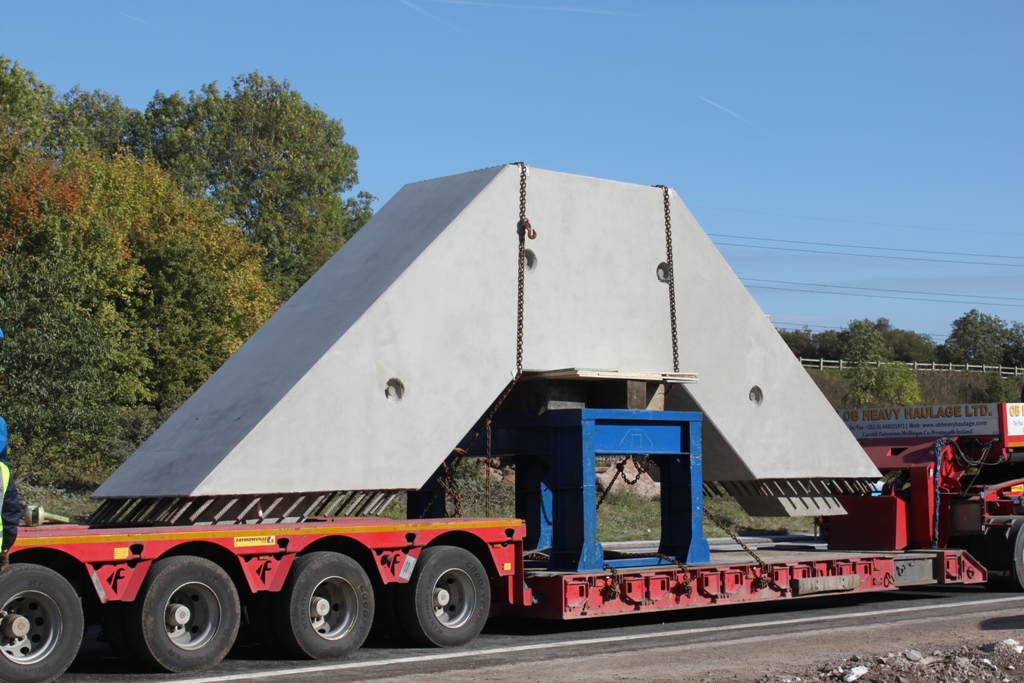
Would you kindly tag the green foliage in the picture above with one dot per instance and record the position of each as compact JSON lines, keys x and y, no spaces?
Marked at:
{"x":935,"y":388}
{"x":272,"y":162}
{"x":92,"y":122}
{"x":199,"y":294}
{"x":863,"y":340}
{"x":977,"y":338}
{"x":24,"y":102}
{"x":118,"y":292}
{"x":139,"y":250}
{"x":888,"y":384}
{"x":801,"y":343}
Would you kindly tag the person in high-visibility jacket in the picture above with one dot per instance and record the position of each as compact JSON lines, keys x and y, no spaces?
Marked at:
{"x":10,"y":511}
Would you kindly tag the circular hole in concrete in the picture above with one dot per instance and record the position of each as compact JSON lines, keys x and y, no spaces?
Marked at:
{"x":663,"y":272}
{"x":531,"y":260}
{"x":394,"y":390}
{"x":756,"y":395}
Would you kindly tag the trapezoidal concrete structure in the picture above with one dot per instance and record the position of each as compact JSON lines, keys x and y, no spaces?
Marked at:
{"x":383,"y":361}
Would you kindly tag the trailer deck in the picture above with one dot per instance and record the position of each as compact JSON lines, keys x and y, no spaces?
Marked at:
{"x":732,"y":576}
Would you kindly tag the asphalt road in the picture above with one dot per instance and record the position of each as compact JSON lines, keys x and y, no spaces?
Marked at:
{"x":739,"y":642}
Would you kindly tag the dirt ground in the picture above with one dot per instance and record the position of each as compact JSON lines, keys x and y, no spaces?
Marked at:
{"x":950,"y":650}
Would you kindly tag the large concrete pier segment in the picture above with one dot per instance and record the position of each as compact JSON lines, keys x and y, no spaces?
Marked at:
{"x":425,"y":294}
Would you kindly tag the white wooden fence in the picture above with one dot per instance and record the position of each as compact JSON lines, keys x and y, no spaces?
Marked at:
{"x":822,"y":364}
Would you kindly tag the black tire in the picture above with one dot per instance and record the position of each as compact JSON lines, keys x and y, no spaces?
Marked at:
{"x":448,"y":599}
{"x":207,"y":626}
{"x":1017,"y":570}
{"x":1004,"y":558}
{"x":325,"y":609}
{"x":42,"y":601}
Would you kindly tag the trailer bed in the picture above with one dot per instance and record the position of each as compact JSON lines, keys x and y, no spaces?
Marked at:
{"x":785,"y":571}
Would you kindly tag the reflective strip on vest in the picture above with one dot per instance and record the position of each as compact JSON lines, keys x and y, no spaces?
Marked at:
{"x":5,"y":471}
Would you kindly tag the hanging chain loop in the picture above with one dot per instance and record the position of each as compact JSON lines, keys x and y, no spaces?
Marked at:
{"x":641,"y":465}
{"x":446,"y":479}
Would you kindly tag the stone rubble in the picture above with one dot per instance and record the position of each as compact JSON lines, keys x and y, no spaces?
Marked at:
{"x":997,"y":662}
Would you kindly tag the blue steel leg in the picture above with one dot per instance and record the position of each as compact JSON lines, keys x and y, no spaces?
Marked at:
{"x":428,"y":502}
{"x":574,"y":545}
{"x":682,"y":503}
{"x":533,"y":500}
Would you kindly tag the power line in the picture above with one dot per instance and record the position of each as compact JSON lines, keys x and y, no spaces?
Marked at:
{"x":854,"y":246}
{"x":845,"y":220}
{"x":878,"y":296}
{"x":879,"y":289}
{"x":877,"y":256}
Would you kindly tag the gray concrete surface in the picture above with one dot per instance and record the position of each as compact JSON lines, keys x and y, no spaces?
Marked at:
{"x":425,"y":294}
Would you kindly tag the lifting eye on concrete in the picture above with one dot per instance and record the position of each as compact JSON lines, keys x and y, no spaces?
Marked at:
{"x":756,"y":395}
{"x":531,"y":260}
{"x":662,"y":272}
{"x":394,"y":390}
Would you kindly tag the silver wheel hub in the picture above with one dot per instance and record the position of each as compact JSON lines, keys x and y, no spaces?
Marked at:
{"x":178,"y":615}
{"x":30,"y":628}
{"x":192,"y":616}
{"x":454,"y":598}
{"x":333,"y":608}
{"x":319,"y":608}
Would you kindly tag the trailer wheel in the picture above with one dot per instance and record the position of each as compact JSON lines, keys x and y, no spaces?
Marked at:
{"x":448,"y":599}
{"x":42,"y":624}
{"x":186,"y":616}
{"x":325,"y":609}
{"x":1017,"y":570}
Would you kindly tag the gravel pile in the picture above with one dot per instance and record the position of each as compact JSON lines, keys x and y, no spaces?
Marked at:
{"x":1001,"y":662}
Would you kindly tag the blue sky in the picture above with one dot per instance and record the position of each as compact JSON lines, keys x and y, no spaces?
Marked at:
{"x":890,"y":126}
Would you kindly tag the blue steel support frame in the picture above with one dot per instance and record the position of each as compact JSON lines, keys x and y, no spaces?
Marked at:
{"x":558,"y":494}
{"x":533,"y":499}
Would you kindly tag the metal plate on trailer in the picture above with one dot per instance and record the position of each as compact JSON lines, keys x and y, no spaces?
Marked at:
{"x":825,"y":584}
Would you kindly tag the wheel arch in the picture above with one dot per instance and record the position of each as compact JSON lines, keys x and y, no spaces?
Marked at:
{"x":473,"y":544}
{"x":69,"y":567}
{"x":350,"y":547}
{"x":219,"y":555}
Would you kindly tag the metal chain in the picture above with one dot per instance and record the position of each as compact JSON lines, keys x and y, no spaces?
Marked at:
{"x":762,"y":581}
{"x":671,"y":276}
{"x":641,"y":469}
{"x":446,"y":480}
{"x":686,"y":583}
{"x":612,"y":590}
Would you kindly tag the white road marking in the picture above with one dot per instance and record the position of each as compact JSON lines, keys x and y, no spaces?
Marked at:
{"x":449,"y":655}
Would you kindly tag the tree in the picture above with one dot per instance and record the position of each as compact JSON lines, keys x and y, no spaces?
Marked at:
{"x":800,"y":342}
{"x":977,"y":338}
{"x":199,"y":293}
{"x":863,"y":341}
{"x":116,"y":292}
{"x":24,"y":102}
{"x":272,"y":162}
{"x":95,"y":121}
{"x":829,"y":344}
{"x":1013,"y":352}
{"x":71,"y":357}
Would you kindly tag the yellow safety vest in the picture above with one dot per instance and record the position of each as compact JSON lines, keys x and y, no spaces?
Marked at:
{"x":5,"y":472}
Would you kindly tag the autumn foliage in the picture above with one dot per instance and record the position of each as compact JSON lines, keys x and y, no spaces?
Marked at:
{"x":121,"y":288}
